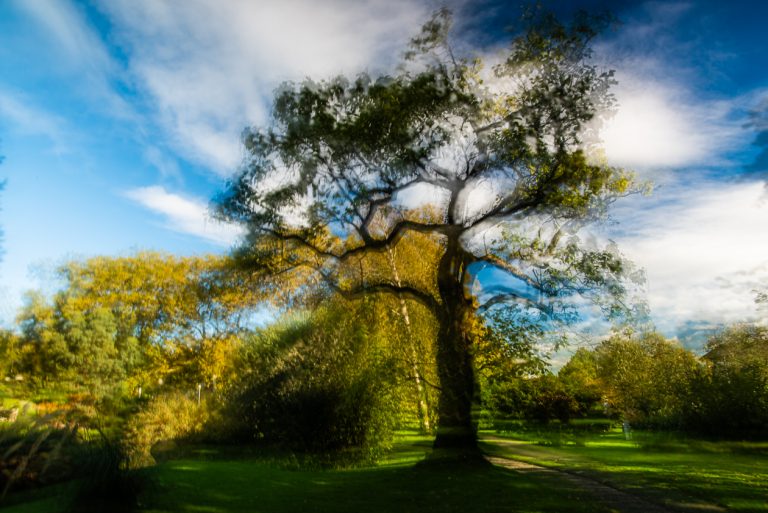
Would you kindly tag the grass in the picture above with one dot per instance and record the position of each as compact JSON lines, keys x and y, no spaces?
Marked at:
{"x":403,"y":482}
{"x":216,"y":481}
{"x":674,"y":471}
{"x":669,"y":469}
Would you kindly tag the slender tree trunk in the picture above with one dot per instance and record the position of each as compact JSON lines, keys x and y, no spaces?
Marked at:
{"x":456,"y":428}
{"x":421,"y":393}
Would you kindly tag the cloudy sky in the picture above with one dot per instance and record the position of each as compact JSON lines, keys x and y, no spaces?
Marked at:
{"x":120,"y":119}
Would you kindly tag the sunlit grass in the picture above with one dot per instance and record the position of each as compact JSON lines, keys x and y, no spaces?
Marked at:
{"x":224,"y":482}
{"x":730,"y":474}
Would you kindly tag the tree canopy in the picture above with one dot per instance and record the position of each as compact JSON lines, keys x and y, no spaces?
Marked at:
{"x":497,"y":166}
{"x":133,"y":321}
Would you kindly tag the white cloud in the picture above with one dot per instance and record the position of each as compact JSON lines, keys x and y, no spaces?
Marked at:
{"x":31,"y":120}
{"x":80,"y":46}
{"x":185,"y":215}
{"x":660,"y":125}
{"x":209,"y":68}
{"x":666,"y":119}
{"x":166,"y":165}
{"x":705,"y":249}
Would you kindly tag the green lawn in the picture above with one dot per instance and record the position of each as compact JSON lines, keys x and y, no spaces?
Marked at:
{"x":215,"y":480}
{"x":217,"y":483}
{"x":730,"y":474}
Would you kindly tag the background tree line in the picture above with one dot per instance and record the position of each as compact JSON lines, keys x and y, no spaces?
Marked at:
{"x":651,"y":382}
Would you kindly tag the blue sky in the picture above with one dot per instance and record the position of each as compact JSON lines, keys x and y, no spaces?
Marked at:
{"x":119,"y":120}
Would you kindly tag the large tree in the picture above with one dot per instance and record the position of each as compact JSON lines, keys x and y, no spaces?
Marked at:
{"x":498,"y":168}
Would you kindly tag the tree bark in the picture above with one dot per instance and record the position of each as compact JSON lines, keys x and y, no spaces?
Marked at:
{"x":456,"y":429}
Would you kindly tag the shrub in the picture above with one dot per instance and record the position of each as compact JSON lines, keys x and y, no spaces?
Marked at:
{"x":106,"y":482}
{"x":319,"y":386}
{"x":41,"y":450}
{"x":168,"y":417}
{"x":542,"y":399}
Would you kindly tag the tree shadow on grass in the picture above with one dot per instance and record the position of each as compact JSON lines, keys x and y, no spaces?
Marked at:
{"x":444,"y":486}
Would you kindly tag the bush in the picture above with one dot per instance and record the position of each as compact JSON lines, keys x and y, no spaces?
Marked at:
{"x":730,"y":402}
{"x":41,"y":450}
{"x":542,"y":399}
{"x":166,"y":418}
{"x":318,"y":386}
{"x":106,"y":481}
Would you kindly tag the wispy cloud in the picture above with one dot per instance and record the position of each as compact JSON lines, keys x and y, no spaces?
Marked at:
{"x":166,"y":165}
{"x":76,"y":43}
{"x":31,"y":120}
{"x":185,"y":215}
{"x":705,"y":249}
{"x":209,"y":68}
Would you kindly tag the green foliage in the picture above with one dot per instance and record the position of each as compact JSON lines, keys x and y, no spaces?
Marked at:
{"x":65,"y":344}
{"x":654,"y":383}
{"x":732,"y":392}
{"x":36,"y":451}
{"x":9,"y":354}
{"x":121,"y":325}
{"x":580,"y":378}
{"x":323,"y":385}
{"x":39,"y":450}
{"x":163,"y":421}
{"x":540,"y":398}
{"x":646,"y":380}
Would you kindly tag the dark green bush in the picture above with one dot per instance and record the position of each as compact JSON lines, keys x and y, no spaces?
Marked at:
{"x":318,"y":386}
{"x":542,"y":399}
{"x":41,"y":450}
{"x":106,"y":483}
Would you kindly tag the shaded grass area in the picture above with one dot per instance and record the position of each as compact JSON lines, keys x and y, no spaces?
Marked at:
{"x":665,"y":468}
{"x":243,"y":486}
{"x":216,"y":480}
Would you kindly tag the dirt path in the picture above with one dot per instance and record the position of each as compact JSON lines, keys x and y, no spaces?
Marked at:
{"x":616,"y":500}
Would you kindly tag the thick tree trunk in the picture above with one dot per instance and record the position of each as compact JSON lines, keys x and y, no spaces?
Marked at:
{"x":456,"y":429}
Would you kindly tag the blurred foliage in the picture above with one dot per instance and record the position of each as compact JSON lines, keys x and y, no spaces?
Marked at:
{"x":646,"y":379}
{"x":162,"y":422}
{"x":330,"y":383}
{"x":123,"y":326}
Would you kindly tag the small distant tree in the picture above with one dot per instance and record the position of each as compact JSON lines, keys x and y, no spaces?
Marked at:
{"x":507,"y":159}
{"x":9,"y":353}
{"x":580,"y":377}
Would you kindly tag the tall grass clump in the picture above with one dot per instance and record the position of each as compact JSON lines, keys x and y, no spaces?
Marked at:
{"x":39,"y":450}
